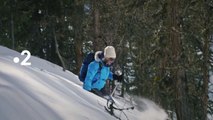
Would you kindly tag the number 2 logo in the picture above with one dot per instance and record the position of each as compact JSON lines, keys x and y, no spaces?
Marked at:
{"x":24,"y":62}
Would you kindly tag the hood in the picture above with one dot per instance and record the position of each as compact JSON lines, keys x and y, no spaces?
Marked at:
{"x":99,"y":55}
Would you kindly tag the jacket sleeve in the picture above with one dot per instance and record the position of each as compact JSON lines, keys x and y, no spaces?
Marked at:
{"x":110,"y":77}
{"x":92,"y":70}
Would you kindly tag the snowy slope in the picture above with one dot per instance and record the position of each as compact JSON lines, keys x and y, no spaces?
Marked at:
{"x":43,"y":91}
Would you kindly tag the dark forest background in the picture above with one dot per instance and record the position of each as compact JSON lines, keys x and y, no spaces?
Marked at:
{"x":163,"y":46}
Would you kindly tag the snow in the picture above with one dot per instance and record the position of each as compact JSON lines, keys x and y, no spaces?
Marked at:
{"x":43,"y":91}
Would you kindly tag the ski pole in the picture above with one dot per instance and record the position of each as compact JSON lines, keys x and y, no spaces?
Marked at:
{"x":114,"y":90}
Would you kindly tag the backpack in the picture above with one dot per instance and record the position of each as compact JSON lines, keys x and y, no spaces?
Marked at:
{"x":87,"y":60}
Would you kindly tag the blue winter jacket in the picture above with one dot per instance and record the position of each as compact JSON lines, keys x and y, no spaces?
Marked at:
{"x":96,"y":77}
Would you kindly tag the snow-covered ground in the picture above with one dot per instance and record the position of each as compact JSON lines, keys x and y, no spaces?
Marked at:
{"x":43,"y":91}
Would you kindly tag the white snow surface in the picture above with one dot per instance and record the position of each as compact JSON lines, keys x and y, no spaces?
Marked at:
{"x":43,"y":91}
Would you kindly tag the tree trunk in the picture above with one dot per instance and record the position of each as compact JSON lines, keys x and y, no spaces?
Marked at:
{"x":205,"y":77}
{"x":78,"y":55}
{"x":206,"y":61}
{"x":177,"y":72}
{"x":97,"y":36}
{"x":57,"y":50}
{"x":12,"y":26}
{"x":78,"y":29}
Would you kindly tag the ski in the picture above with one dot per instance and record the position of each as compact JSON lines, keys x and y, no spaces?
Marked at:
{"x":108,"y":110}
{"x":111,"y":104}
{"x":111,"y":113}
{"x":111,"y":110}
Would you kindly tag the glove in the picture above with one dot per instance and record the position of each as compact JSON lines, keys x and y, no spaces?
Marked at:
{"x":118,"y":77}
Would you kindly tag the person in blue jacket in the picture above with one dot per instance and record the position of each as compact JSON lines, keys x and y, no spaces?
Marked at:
{"x":99,"y":70}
